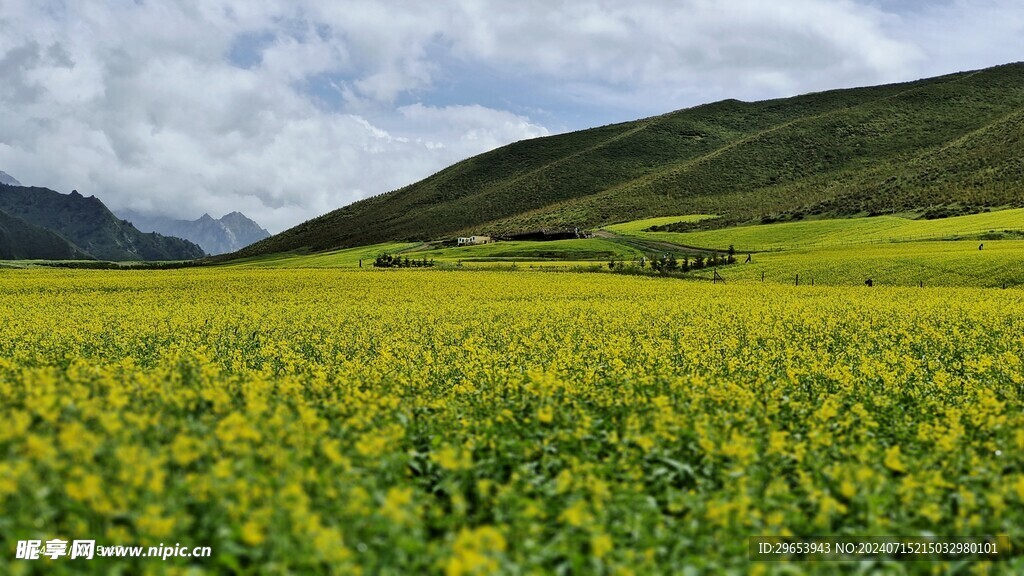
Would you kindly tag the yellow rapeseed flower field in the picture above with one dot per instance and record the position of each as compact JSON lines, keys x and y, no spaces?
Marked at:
{"x":402,"y":422}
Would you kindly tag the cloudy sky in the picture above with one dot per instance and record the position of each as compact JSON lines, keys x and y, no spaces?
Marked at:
{"x":286,"y":109}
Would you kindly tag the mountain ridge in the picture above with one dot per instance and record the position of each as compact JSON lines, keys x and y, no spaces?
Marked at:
{"x":229,"y":233}
{"x":89,"y":227}
{"x":6,"y":178}
{"x":20,"y":240}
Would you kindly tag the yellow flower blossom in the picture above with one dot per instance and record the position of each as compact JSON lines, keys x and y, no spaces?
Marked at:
{"x":380,"y":421}
{"x":894,"y":460}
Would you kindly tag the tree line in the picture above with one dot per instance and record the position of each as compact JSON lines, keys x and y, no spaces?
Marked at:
{"x":390,"y":261}
{"x":669,"y":263}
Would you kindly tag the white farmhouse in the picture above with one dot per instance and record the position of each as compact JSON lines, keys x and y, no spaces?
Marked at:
{"x":473,"y":240}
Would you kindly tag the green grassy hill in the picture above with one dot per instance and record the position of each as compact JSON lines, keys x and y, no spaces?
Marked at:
{"x":949,"y":145}
{"x":890,"y":250}
{"x":587,"y":250}
{"x":961,"y":264}
{"x":934,"y":263}
{"x":567,"y":250}
{"x":345,"y":258}
{"x":835,"y":232}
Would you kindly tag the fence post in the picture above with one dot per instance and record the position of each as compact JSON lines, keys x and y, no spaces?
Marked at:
{"x":797,"y":279}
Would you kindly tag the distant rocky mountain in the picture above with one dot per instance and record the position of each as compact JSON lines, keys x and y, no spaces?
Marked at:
{"x":228,"y":234}
{"x":6,"y":178}
{"x":85,"y":224}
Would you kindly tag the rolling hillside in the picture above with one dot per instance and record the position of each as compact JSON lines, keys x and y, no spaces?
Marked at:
{"x":929,"y":264}
{"x":836,"y":232}
{"x":950,"y":145}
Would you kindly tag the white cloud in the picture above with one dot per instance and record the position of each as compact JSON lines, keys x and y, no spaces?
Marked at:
{"x":141,"y":106}
{"x":966,"y":35}
{"x":141,"y":103}
{"x":653,"y":55}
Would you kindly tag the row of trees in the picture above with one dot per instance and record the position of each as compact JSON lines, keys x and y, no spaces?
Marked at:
{"x":668,"y":263}
{"x":389,"y":261}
